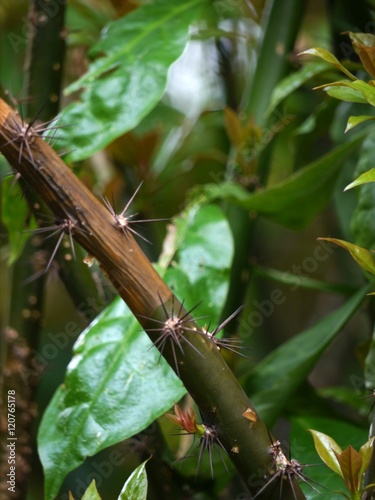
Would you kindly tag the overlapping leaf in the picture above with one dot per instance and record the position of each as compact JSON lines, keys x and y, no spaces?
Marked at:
{"x":279,"y":375}
{"x":127,"y":75}
{"x":295,"y":201}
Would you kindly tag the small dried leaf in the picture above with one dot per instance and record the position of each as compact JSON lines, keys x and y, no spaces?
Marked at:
{"x":327,"y":448}
{"x":362,"y":256}
{"x":250,"y":414}
{"x":234,"y":127}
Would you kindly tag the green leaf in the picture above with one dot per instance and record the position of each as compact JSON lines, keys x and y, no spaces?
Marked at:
{"x":364,"y":178}
{"x":128,"y":75}
{"x":293,"y":81}
{"x":109,"y":394}
{"x":343,"y":93}
{"x":326,"y":448}
{"x":277,"y":377}
{"x":329,"y":58}
{"x":91,"y":493}
{"x":362,"y":256}
{"x":115,"y":385}
{"x":366,"y":452}
{"x":353,"y":121}
{"x":305,"y":453}
{"x":295,"y":201}
{"x":135,"y":487}
{"x":16,"y":215}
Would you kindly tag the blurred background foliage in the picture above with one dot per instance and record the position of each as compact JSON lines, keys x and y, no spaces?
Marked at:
{"x":210,"y":126}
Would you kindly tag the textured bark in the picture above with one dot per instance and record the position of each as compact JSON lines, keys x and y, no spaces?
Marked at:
{"x":206,"y":376}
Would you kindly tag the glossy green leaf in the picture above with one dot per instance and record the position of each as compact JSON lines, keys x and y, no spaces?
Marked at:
{"x":327,"y":449}
{"x":116,"y":383}
{"x":135,"y":487}
{"x":364,"y":178}
{"x":91,"y":493}
{"x":353,"y":121}
{"x":366,"y":452}
{"x":277,"y":377}
{"x":344,"y":93}
{"x":16,"y":215}
{"x":127,"y":75}
{"x":304,"y":451}
{"x":293,"y":81}
{"x":360,"y":87}
{"x":362,"y":256}
{"x":299,"y":281}
{"x":295,"y":201}
{"x":329,"y":58}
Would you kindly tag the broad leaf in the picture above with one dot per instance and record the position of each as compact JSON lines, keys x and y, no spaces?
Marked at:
{"x":278,"y":376}
{"x":329,"y":58}
{"x":135,"y":487}
{"x":16,"y":217}
{"x":359,"y":87}
{"x":116,"y":383}
{"x":362,"y":256}
{"x":127,"y":75}
{"x":91,"y":493}
{"x":295,"y":201}
{"x":362,"y":179}
{"x":114,"y":388}
{"x":328,"y":450}
{"x":292,"y":82}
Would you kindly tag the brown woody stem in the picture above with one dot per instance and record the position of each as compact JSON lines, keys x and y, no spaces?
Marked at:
{"x":206,"y":376}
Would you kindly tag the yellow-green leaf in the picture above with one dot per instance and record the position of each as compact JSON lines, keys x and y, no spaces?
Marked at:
{"x":364,"y":178}
{"x":366,"y":451}
{"x":330,"y":58}
{"x":353,"y":121}
{"x":327,"y":448}
{"x":362,"y":256}
{"x":91,"y":493}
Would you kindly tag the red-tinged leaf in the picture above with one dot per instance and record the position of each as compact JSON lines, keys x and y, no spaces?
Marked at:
{"x":350,"y":462}
{"x":327,"y":449}
{"x":362,"y":256}
{"x":364,"y":178}
{"x":234,"y":127}
{"x":330,"y":58}
{"x":364,"y":45}
{"x":366,"y":451}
